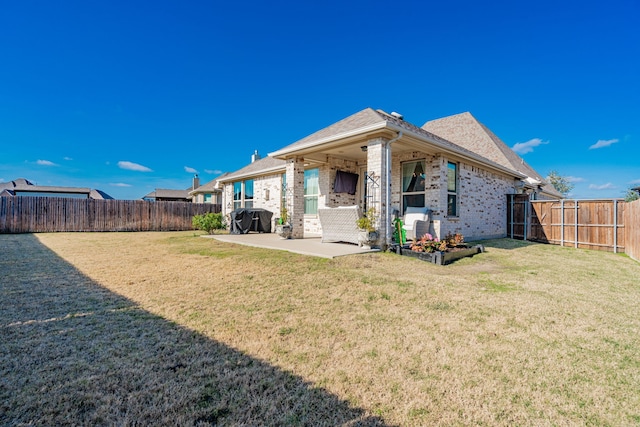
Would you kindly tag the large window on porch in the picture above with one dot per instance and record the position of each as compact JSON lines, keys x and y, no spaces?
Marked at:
{"x":311,"y":191}
{"x":413,"y":184}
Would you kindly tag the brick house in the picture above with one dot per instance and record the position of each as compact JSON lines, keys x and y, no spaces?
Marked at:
{"x":454,"y":166}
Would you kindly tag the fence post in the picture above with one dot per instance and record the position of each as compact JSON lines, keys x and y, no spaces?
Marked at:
{"x":527,"y":212}
{"x":575,"y":205}
{"x":615,"y":226}
{"x":561,"y":222}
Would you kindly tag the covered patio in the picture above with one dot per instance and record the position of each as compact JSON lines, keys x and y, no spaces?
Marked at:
{"x":309,"y":245}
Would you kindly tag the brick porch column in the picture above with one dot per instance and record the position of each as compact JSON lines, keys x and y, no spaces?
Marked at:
{"x":376,"y":193}
{"x":295,"y":196}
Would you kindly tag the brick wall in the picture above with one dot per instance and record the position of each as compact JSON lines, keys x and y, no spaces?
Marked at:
{"x":481,"y":207}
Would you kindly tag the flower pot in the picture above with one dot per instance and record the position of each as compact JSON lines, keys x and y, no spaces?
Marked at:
{"x":284,"y":231}
{"x":368,"y":239}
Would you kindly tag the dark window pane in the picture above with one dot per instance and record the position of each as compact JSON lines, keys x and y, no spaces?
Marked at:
{"x":452,"y":205}
{"x":413,"y":200}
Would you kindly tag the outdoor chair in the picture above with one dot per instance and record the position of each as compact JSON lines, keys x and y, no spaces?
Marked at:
{"x":416,"y":222}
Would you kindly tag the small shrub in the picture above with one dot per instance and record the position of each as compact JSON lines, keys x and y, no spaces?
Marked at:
{"x":367,"y":222}
{"x":284,"y":216}
{"x":209,"y":222}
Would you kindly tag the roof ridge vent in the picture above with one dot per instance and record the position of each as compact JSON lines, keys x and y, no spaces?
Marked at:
{"x":393,"y":114}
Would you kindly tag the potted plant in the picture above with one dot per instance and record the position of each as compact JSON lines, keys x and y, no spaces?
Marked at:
{"x":366,"y":224}
{"x":283,"y":228}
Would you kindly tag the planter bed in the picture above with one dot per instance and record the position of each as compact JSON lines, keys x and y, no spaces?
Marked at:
{"x":440,"y":258}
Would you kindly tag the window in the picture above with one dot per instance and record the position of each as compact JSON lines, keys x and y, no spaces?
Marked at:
{"x":243,"y":194}
{"x":248,"y":194}
{"x":452,"y":189}
{"x":237,"y":195}
{"x":283,"y":191}
{"x":413,"y":184}
{"x":311,"y":191}
{"x":207,"y":198}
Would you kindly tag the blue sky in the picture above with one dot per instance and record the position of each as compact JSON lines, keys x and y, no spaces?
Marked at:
{"x":130,"y":96}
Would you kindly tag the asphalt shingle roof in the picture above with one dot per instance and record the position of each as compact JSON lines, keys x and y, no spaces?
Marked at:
{"x":460,"y":133}
{"x":466,"y":131}
{"x":256,"y":168}
{"x":210,"y":186}
{"x":168,"y":193}
{"x":371,"y":118}
{"x":23,"y":185}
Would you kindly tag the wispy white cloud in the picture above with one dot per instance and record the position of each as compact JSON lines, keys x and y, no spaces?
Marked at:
{"x":603,"y":143}
{"x":119,"y":184}
{"x":527,"y":147}
{"x":213,"y":171}
{"x":133,"y":166}
{"x":45,"y":163}
{"x":634,"y":182}
{"x":607,"y":186}
{"x":190,"y":170}
{"x":575,"y":179}
{"x":68,"y":158}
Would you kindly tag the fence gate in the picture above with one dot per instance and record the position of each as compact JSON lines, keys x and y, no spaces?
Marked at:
{"x":517,"y":212}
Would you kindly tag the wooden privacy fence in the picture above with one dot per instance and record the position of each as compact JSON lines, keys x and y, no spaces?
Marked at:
{"x":588,"y":224}
{"x":51,"y":214}
{"x":632,"y":230}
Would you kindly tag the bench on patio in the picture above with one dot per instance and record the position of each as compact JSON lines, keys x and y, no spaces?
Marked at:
{"x":339,"y":224}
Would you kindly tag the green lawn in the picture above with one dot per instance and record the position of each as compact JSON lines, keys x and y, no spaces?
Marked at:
{"x":174,"y":329}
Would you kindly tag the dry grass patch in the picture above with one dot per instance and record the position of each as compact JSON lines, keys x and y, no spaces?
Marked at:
{"x":523,"y":334}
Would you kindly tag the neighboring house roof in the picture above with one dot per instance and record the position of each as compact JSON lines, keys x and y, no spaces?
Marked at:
{"x":212,"y":186}
{"x":21,"y":185}
{"x":257,"y":168}
{"x":163,"y":193}
{"x":466,"y":131}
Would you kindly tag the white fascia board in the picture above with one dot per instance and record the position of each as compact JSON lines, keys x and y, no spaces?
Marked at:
{"x":261,"y":172}
{"x":328,"y":139}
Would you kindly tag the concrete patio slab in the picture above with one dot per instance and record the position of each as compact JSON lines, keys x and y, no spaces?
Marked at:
{"x":310,"y":245}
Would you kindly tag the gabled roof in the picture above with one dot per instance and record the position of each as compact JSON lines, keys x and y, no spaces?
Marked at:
{"x":22,"y":185}
{"x":371,"y":121}
{"x":358,"y":122}
{"x":211,"y":186}
{"x":20,"y":182}
{"x":164,"y":193}
{"x":259,"y":167}
{"x":466,"y":131}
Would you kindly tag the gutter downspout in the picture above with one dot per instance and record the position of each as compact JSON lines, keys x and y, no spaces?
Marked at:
{"x":389,"y":235}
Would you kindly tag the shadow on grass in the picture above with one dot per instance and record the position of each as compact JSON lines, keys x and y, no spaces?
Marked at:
{"x":74,"y":353}
{"x":506,"y":243}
